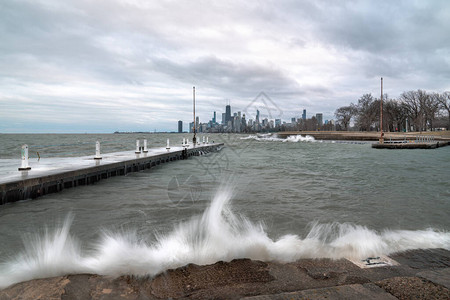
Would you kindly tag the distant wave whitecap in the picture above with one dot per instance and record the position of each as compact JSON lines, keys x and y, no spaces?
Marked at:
{"x":218,"y":234}
{"x":274,"y":138}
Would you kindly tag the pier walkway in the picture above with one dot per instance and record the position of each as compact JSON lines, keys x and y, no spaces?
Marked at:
{"x":50,"y":175}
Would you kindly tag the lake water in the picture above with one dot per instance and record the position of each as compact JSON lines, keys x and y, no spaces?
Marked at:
{"x":259,"y":197}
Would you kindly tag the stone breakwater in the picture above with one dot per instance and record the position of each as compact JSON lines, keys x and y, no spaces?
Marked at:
{"x":419,"y":274}
{"x":366,"y":136}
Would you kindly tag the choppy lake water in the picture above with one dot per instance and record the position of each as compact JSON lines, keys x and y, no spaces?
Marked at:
{"x":259,"y":197}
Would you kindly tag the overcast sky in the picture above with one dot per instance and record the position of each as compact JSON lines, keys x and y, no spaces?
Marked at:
{"x":130,"y":65}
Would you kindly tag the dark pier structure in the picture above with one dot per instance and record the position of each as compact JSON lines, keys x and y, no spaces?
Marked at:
{"x":409,"y":145}
{"x":33,"y":183}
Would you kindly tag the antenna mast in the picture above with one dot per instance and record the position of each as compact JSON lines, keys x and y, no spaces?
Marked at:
{"x":381,"y":114}
{"x":194,"y":139}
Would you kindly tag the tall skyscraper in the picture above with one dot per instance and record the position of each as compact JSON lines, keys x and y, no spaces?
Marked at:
{"x":257,"y":116}
{"x":319,"y":118}
{"x":227,"y":113}
{"x":180,"y":126}
{"x":214,"y":118}
{"x":304,"y":115}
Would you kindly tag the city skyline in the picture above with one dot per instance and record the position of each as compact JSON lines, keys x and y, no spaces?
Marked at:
{"x":77,"y":66}
{"x":238,"y":122}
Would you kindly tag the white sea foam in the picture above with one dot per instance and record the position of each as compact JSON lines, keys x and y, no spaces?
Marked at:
{"x":218,"y":234}
{"x":274,"y":138}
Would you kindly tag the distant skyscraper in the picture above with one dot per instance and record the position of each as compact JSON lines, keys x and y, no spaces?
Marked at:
{"x":214,"y":118}
{"x":227,"y":113}
{"x":257,"y":116}
{"x":224,"y":119}
{"x":292,"y":120}
{"x":180,"y":126}
{"x":319,"y":118}
{"x":304,"y":115}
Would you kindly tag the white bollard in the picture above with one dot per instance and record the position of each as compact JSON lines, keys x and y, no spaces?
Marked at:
{"x":145,"y":146}
{"x":187,"y":143}
{"x":207,"y":139}
{"x":24,"y":165}
{"x":168,"y":145}
{"x":138,"y":151}
{"x":97,"y":150}
{"x":204,"y":141}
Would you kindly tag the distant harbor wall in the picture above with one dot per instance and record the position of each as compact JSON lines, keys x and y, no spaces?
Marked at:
{"x":31,"y":187}
{"x":411,"y":145}
{"x":367,"y":135}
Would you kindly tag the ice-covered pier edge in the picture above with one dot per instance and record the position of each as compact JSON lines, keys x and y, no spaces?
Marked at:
{"x":30,"y":184}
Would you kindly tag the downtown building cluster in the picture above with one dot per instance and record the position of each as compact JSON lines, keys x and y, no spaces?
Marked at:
{"x":238,"y":122}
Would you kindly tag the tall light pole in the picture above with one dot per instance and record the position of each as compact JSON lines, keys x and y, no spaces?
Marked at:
{"x":381,"y":114}
{"x":194,"y":139}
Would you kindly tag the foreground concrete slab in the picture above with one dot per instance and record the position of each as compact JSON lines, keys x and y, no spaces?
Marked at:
{"x":413,"y":288}
{"x":437,"y":276}
{"x":424,"y":259}
{"x":345,"y":292}
{"x":420,"y":274}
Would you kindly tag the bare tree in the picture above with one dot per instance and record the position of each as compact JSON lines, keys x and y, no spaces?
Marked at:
{"x":395,"y":115}
{"x":414,"y":102}
{"x":431,"y":106}
{"x":444,"y":102}
{"x":344,"y":115}
{"x":367,"y":112}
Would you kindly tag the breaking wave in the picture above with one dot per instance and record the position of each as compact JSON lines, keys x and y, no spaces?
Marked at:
{"x":274,"y":138}
{"x":218,"y":234}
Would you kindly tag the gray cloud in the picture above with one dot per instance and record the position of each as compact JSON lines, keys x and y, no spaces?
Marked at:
{"x":238,"y":79}
{"x":132,"y":64}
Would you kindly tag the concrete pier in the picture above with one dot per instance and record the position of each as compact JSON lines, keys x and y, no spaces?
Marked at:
{"x":409,"y":145}
{"x":61,"y":173}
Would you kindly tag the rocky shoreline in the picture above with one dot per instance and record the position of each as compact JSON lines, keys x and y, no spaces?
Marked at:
{"x":420,"y":274}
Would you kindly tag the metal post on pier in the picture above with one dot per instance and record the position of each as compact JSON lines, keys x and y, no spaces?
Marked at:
{"x":97,"y":150}
{"x":207,"y":139}
{"x":168,"y":145}
{"x":145,"y":150}
{"x":204,"y":141}
{"x":381,"y":114}
{"x":138,"y":150}
{"x":194,"y":139}
{"x":25,"y":166}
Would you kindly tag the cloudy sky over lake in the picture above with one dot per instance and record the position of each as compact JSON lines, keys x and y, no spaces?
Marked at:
{"x":130,"y":65}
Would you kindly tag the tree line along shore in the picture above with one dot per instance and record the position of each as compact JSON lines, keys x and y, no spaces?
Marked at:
{"x":412,"y":111}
